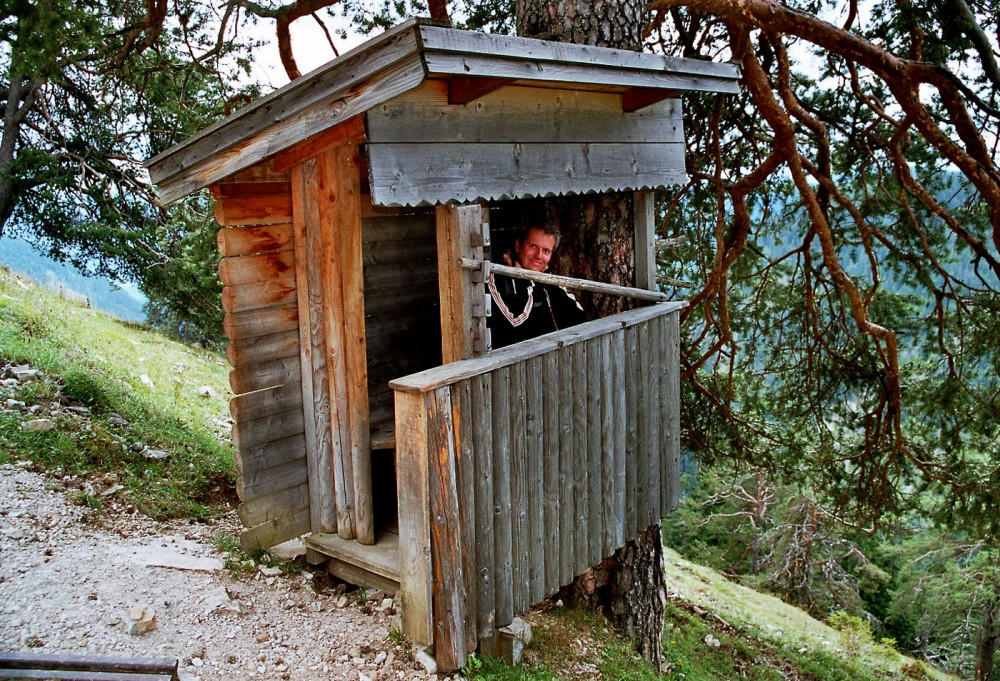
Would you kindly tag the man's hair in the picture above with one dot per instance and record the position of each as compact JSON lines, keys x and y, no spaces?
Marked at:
{"x":545,"y":228}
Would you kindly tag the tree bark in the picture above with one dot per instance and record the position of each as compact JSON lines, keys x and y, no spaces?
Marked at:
{"x":989,"y":641}
{"x":598,"y":243}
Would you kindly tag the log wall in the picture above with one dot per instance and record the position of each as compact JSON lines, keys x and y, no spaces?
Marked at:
{"x":527,"y":466}
{"x":259,"y":298}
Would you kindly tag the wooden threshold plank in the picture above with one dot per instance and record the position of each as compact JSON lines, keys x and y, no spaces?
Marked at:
{"x":380,"y":558}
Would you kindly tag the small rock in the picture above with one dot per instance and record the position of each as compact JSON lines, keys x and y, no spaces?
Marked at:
{"x":342,"y":602}
{"x":111,"y":491}
{"x":25,"y":374}
{"x":289,"y":550}
{"x":197,"y":662}
{"x":79,"y":411}
{"x":316,"y":606}
{"x":38,"y":425}
{"x":424,"y":659}
{"x":519,"y":629}
{"x":141,"y":620}
{"x":712,"y":642}
{"x":206,"y":392}
{"x":146,"y":380}
{"x":116,"y":420}
{"x":363,"y":677}
{"x":270,"y":570}
{"x":385,"y":605}
{"x":380,"y":658}
{"x":15,"y":404}
{"x":34,"y":642}
{"x":154,"y":454}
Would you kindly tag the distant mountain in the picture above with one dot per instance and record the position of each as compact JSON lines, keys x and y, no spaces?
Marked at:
{"x":124,"y":301}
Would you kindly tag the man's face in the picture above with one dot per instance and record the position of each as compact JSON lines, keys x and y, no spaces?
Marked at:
{"x":535,"y":250}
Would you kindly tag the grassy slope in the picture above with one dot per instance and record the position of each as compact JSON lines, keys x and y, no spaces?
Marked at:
{"x":92,"y":360}
{"x":144,"y":392}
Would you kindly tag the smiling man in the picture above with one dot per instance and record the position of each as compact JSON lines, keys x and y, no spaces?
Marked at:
{"x":526,"y":309}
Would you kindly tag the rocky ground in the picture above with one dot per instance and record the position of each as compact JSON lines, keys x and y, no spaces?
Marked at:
{"x":75,"y":582}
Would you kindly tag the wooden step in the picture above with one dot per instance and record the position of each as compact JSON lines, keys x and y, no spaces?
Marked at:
{"x":374,"y":566}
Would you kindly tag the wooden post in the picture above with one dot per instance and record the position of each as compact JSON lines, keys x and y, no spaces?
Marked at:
{"x":345,"y":227}
{"x":645,"y":240}
{"x":412,"y":489}
{"x":315,"y":389}
{"x":459,"y":236}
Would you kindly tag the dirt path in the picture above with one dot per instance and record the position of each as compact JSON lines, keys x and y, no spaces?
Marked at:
{"x":67,"y":584}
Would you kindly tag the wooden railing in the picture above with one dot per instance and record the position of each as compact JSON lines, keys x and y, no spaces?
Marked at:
{"x":520,"y":469}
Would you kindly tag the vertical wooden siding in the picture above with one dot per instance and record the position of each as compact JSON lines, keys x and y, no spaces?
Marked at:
{"x":557,"y":451}
{"x":261,"y":305}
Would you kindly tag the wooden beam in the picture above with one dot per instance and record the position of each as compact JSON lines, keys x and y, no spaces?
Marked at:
{"x":568,"y":282}
{"x":250,"y":240}
{"x":350,"y":131}
{"x":462,"y":90}
{"x":346,"y":185}
{"x":412,"y":490}
{"x":644,"y":220}
{"x":637,"y":98}
{"x":456,"y":226}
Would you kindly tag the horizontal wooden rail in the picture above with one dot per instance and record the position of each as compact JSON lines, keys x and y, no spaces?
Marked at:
{"x":568,"y":282}
{"x":431,"y":379}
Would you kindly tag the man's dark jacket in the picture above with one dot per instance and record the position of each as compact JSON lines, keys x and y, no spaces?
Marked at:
{"x":525,"y":309}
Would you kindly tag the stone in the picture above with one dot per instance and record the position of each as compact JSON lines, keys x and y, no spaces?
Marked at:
{"x":25,"y":374}
{"x":425,"y":659}
{"x":207,"y":392}
{"x":116,"y":420}
{"x":289,"y":550}
{"x":141,"y":620}
{"x":161,"y":557}
{"x":270,"y":571}
{"x":380,"y":658}
{"x":386,"y":604}
{"x":146,"y":380}
{"x":38,"y":425}
{"x":519,"y":629}
{"x":155,"y":454}
{"x":79,"y":411}
{"x":15,"y":404}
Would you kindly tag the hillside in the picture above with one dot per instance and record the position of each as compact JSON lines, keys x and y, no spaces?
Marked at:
{"x":123,"y":420}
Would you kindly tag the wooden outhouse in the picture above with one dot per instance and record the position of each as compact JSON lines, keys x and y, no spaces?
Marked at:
{"x":371,"y":416}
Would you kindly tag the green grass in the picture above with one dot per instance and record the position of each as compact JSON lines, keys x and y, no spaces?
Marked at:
{"x":92,"y":360}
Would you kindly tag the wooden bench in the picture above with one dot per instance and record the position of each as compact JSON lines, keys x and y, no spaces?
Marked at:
{"x":86,"y":667}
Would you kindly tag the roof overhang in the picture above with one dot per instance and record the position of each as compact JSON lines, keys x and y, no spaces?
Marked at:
{"x":398,"y":61}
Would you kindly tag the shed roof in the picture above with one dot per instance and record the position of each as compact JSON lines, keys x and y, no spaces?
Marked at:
{"x":400,"y":60}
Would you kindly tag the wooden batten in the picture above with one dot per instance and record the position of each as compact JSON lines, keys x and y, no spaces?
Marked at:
{"x":256,"y":239}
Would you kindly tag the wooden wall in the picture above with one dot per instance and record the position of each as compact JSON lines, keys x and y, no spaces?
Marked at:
{"x":401,"y":300}
{"x":529,"y":465}
{"x":259,"y":298}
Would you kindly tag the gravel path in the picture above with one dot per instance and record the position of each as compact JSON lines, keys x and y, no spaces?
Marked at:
{"x":68,"y":582}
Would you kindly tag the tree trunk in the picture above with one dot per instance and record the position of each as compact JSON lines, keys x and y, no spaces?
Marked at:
{"x":989,"y":641}
{"x":598,"y":243}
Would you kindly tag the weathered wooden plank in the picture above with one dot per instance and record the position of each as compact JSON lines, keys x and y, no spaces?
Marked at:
{"x":654,"y":355}
{"x":463,"y":419}
{"x":351,"y":131}
{"x":394,"y":250}
{"x":13,"y":661}
{"x":266,"y":402}
{"x":595,"y":466}
{"x":632,"y":374}
{"x":643,"y":433}
{"x":412,"y":480}
{"x":396,"y":223}
{"x":251,"y":460}
{"x":72,"y":675}
{"x":436,"y":38}
{"x":246,"y":142}
{"x":249,"y":240}
{"x":261,"y":322}
{"x":252,"y":268}
{"x":535,"y":428}
{"x":605,"y":414}
{"x":312,"y":349}
{"x":272,"y":506}
{"x":276,"y":531}
{"x":544,"y":71}
{"x":247,"y":187}
{"x":457,"y":371}
{"x":482,"y":408}
{"x":330,"y":311}
{"x":619,"y":446}
{"x":644,"y":220}
{"x":459,"y":296}
{"x":670,"y":405}
{"x":273,"y":292}
{"x":502,"y":518}
{"x":381,"y":558}
{"x":263,"y":349}
{"x":567,"y":517}
{"x":550,"y":550}
{"x":263,"y":482}
{"x":450,"y":598}
{"x":581,"y":459}
{"x":519,"y":490}
{"x":252,"y":377}
{"x":410,"y":174}
{"x":346,"y":181}
{"x":521,"y":115}
{"x":253,"y":210}
{"x":269,"y":428}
